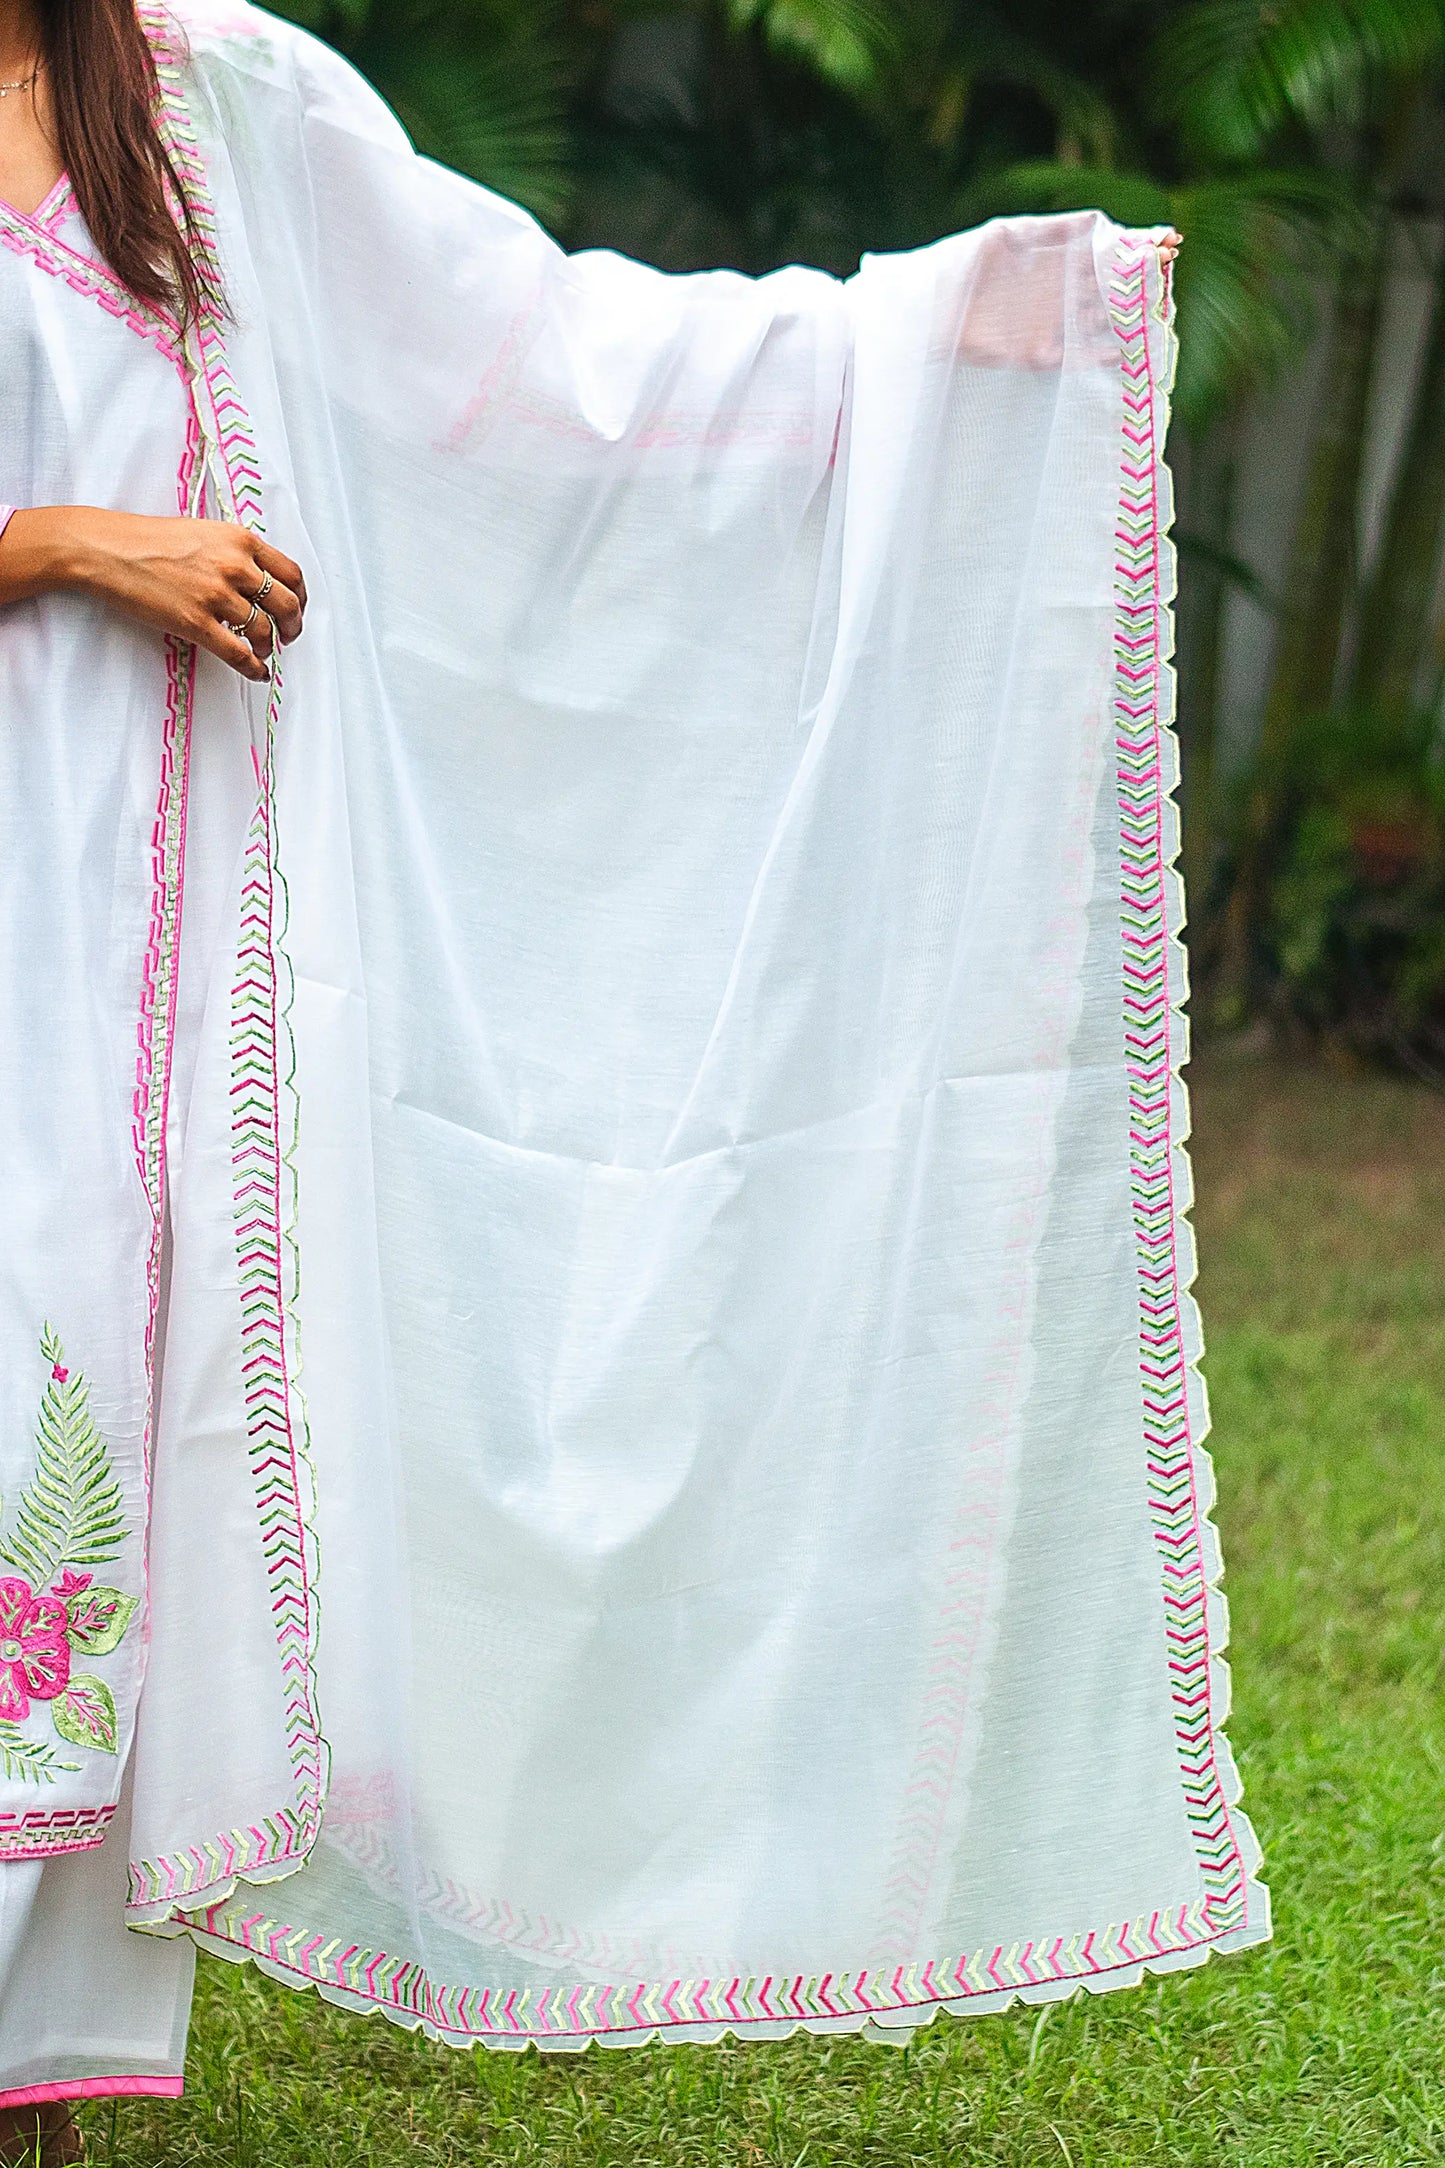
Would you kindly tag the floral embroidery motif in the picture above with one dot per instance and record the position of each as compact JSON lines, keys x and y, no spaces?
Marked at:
{"x":34,"y":1648}
{"x":69,"y":1520}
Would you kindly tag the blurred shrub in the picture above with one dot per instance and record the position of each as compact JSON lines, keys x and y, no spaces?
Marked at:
{"x":1353,"y":938}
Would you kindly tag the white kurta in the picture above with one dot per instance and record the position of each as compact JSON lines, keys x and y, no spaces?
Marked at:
{"x":678,"y":1501}
{"x":91,"y":412}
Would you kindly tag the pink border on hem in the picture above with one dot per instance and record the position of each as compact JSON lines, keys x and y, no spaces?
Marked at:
{"x":35,"y":2096}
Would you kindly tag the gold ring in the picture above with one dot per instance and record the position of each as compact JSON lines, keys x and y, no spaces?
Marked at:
{"x":265,"y":588}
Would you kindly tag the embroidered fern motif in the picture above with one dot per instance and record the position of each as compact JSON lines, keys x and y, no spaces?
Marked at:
{"x":69,"y":1520}
{"x":70,"y":1513}
{"x":30,"y":1761}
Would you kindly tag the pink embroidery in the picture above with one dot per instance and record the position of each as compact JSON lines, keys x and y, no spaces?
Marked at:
{"x":264,"y":1172}
{"x":49,"y":1832}
{"x":57,"y":207}
{"x":1151,"y":959}
{"x":85,"y":276}
{"x":34,"y":1648}
{"x":1116,"y":1955}
{"x":34,"y":2096}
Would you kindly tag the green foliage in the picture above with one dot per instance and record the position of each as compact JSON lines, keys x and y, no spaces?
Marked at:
{"x":479,"y":84}
{"x":1273,"y":133}
{"x":1233,"y":73}
{"x":847,"y":41}
{"x":1255,"y":242}
{"x":988,"y":56}
{"x":1354,"y":936}
{"x":1244,"y":296}
{"x":70,"y":1513}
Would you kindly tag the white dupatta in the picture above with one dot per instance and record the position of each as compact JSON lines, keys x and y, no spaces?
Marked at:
{"x":677,"y":1503}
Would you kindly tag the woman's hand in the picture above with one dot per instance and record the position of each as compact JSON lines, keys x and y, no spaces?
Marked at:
{"x":207,"y":581}
{"x":1170,"y":246}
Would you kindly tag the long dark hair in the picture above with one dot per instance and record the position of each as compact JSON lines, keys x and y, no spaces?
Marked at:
{"x":105,"y":99}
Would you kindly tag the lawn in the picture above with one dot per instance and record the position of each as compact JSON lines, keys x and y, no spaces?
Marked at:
{"x":1322,"y":1236}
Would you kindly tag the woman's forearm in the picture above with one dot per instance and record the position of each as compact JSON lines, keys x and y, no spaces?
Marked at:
{"x":41,"y":550}
{"x":207,"y":581}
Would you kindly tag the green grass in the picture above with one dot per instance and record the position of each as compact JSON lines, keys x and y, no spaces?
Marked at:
{"x":1322,"y":1236}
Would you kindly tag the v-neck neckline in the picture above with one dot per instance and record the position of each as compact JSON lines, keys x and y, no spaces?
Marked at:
{"x":56,"y":198}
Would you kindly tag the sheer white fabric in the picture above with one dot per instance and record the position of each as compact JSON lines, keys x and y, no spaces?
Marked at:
{"x":678,"y":1503}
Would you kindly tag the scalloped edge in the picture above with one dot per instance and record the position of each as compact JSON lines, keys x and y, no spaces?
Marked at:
{"x":1156,"y":326}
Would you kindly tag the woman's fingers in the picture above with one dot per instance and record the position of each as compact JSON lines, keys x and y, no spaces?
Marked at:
{"x":256,"y":622}
{"x":285,"y":572}
{"x":284,"y":607}
{"x":260,"y":631}
{"x":233,"y":647}
{"x":279,"y":602}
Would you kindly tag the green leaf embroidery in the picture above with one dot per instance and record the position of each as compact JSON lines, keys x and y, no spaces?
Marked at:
{"x":85,"y":1713}
{"x":97,"y":1618}
{"x":70,"y":1513}
{"x":29,"y":1761}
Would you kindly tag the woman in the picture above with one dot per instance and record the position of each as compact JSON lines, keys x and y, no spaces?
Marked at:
{"x":588,"y":550}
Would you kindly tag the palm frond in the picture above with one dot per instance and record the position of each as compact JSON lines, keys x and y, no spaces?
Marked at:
{"x":847,"y":42}
{"x":490,"y":119}
{"x":1232,"y":73}
{"x":996,"y":54}
{"x":1246,"y":290}
{"x":1044,"y":185}
{"x":1252,"y":242}
{"x":480,"y":85}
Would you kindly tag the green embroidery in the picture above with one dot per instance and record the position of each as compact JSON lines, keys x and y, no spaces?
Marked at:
{"x":70,"y":1511}
{"x":29,"y":1761}
{"x":85,"y":1713}
{"x":98,"y":1617}
{"x":69,"y":1520}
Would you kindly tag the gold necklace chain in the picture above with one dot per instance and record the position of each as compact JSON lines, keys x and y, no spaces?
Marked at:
{"x":26,"y":82}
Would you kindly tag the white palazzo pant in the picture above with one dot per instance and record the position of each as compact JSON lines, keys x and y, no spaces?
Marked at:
{"x":87,"y":2007}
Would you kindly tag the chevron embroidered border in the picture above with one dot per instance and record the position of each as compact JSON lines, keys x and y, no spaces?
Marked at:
{"x":277,"y":1452}
{"x":262,"y":1137}
{"x":1141,"y":683}
{"x":231,"y":426}
{"x":499,"y":2016}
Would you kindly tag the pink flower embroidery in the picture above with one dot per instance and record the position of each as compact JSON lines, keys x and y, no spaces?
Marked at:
{"x":34,"y":1650}
{"x":70,"y":1584}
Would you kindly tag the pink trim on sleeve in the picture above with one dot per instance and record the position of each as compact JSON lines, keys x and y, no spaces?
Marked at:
{"x":35,"y":2096}
{"x":6,"y":511}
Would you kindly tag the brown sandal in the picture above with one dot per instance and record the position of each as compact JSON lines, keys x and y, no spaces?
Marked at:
{"x":47,"y":2136}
